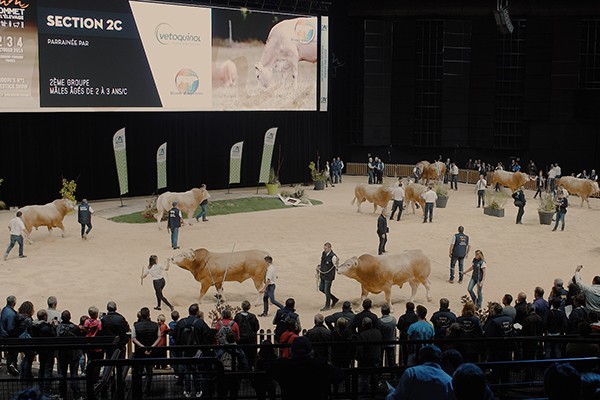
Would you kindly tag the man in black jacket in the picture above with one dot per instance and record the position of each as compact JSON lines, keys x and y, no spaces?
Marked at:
{"x":145,"y":333}
{"x":442,"y":319}
{"x":41,"y":328}
{"x":346,"y":312}
{"x":114,"y":324}
{"x":382,"y":231}
{"x":68,"y":360}
{"x":320,"y":336}
{"x":191,"y":331}
{"x":368,"y":353}
{"x":327,"y":268}
{"x":501,"y":326}
{"x":282,"y":315}
{"x":356,"y":325}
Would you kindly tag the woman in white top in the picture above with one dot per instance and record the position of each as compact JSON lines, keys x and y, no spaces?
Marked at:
{"x":156,"y":271}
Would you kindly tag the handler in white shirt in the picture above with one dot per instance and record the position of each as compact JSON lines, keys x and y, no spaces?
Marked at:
{"x":480,"y":188}
{"x":16,"y":228}
{"x":430,"y":197}
{"x":398,"y":197}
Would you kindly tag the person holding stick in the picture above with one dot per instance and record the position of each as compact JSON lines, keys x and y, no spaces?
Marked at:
{"x":155,"y":270}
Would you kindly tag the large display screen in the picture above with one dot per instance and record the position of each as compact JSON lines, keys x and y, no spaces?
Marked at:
{"x":69,"y":55}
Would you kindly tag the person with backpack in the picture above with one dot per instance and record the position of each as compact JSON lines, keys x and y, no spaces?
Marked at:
{"x":191,"y":331}
{"x":561,"y":210}
{"x":68,"y":360}
{"x":233,"y":359}
{"x":225,"y":325}
{"x":248,"y":325}
{"x":287,"y":312}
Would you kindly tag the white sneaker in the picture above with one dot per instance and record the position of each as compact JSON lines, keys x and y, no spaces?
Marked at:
{"x":199,"y":394}
{"x":187,"y":395}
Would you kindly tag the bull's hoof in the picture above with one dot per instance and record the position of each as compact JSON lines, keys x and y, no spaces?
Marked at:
{"x":430,"y":299}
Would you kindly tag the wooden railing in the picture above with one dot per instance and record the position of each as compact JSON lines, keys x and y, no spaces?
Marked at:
{"x":395,"y":170}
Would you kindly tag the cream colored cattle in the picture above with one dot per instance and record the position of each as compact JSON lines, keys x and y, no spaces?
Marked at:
{"x":378,"y":274}
{"x":584,"y":188}
{"x":412,"y":195}
{"x":50,"y":215}
{"x":513,"y":180}
{"x":187,"y":202}
{"x":377,"y":194}
{"x":213,"y":269}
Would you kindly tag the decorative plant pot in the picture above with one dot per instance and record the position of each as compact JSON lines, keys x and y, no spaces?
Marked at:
{"x":319,"y":185}
{"x":441,"y":201}
{"x":272,"y":188}
{"x":494,"y":212}
{"x":545,"y":217}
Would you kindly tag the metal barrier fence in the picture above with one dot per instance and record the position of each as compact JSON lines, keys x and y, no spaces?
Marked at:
{"x":520,"y":373}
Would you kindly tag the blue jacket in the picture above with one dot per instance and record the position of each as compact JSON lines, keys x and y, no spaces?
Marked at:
{"x":7,"y":322}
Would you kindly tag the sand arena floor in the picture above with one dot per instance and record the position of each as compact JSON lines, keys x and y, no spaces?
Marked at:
{"x":107,"y":266}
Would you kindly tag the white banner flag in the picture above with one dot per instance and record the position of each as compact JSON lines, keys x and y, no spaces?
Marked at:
{"x":324,"y":72}
{"x":235,"y":162}
{"x":265,"y":165}
{"x":119,"y":147}
{"x":161,"y":166}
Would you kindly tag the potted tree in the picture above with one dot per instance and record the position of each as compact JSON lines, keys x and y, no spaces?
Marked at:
{"x":317,"y":177}
{"x":494,"y":202}
{"x":273,"y":183}
{"x":547,"y":209}
{"x":442,"y":194}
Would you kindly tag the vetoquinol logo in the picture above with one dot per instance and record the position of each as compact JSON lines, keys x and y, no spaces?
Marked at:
{"x":165,"y":35}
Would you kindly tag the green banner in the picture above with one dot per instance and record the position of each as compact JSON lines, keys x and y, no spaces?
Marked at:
{"x":121,"y":160}
{"x":235,"y":162}
{"x":265,"y":165}
{"x":161,"y":166}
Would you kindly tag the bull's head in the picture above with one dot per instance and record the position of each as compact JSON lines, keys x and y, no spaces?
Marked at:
{"x":184,"y":258}
{"x":263,"y":74}
{"x":347,"y":266}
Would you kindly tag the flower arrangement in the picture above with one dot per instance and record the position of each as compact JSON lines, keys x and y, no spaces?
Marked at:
{"x":68,"y":189}
{"x":150,"y":210}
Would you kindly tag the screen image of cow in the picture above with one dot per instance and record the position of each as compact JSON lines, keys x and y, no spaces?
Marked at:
{"x":264,"y":61}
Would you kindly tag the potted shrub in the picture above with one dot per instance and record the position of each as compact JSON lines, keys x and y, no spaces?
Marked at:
{"x":442,"y":194}
{"x":273,"y":183}
{"x":547,"y":209}
{"x":317,"y":177}
{"x":494,"y":202}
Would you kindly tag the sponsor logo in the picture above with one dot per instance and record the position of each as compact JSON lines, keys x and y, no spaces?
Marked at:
{"x":165,"y":35}
{"x":305,"y":30}
{"x":15,"y":3}
{"x":187,"y":81}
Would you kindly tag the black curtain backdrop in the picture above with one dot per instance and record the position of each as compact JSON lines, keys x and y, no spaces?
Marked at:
{"x":39,"y":149}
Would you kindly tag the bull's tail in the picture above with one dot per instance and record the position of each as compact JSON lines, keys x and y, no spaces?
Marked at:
{"x":353,"y":200}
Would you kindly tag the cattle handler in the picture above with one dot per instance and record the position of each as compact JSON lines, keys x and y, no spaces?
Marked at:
{"x":326,"y":270}
{"x":84,"y":217}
